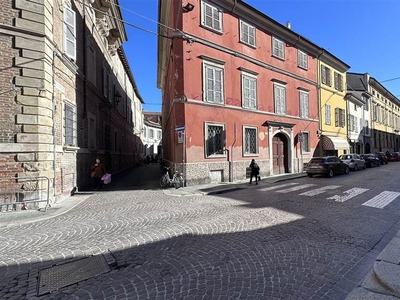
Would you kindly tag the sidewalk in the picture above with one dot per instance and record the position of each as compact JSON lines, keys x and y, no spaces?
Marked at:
{"x":381,"y":283}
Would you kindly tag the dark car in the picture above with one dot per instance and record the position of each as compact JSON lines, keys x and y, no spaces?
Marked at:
{"x":371,"y":160}
{"x":395,"y":156}
{"x":382,"y":158}
{"x":327,"y":165}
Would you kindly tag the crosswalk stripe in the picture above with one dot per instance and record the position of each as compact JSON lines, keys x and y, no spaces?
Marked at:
{"x":349,"y":194}
{"x":320,"y":190}
{"x":296,"y":188}
{"x":381,"y":200}
{"x":277,"y":187}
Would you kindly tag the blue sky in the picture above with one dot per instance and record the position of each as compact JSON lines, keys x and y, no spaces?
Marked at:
{"x":365,"y":34}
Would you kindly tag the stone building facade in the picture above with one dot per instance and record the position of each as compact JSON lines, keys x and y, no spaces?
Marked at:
{"x":67,"y":95}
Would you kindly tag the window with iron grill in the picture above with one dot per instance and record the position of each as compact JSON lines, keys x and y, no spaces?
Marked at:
{"x":250,"y":141}
{"x":70,"y":124}
{"x":107,"y":138}
{"x":215,"y":140}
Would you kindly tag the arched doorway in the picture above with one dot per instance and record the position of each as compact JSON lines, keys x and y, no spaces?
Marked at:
{"x":367,"y":148}
{"x":280,"y":154}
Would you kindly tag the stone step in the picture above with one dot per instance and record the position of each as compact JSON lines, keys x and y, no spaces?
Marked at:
{"x":371,"y":289}
{"x":388,"y":276}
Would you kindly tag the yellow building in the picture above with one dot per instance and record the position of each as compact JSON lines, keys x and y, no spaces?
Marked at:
{"x":332,"y":131}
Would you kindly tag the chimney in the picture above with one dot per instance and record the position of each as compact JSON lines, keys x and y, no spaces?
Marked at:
{"x":288,"y":24}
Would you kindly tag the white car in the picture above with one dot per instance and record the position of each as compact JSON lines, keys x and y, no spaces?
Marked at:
{"x":354,"y":161}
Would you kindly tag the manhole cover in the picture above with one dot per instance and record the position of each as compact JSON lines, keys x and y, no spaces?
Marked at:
{"x":56,"y":277}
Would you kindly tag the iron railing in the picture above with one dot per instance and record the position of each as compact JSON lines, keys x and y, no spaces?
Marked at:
{"x":23,"y":191}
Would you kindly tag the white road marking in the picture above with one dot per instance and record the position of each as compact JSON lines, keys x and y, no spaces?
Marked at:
{"x":276,"y":187}
{"x":381,"y":200}
{"x":320,"y":190}
{"x":296,"y":188}
{"x":349,"y":194}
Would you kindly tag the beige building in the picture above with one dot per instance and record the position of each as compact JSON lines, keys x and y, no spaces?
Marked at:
{"x":67,"y":96}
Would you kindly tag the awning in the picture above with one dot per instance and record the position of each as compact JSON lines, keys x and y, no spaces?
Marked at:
{"x":334,"y":143}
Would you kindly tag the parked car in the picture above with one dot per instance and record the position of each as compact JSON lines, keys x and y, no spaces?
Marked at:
{"x":371,"y":160}
{"x":354,"y":161}
{"x":327,"y":165}
{"x":395,"y":156}
{"x":382,"y":158}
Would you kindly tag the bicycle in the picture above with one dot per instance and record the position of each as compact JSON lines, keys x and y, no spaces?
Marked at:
{"x":176,"y":180}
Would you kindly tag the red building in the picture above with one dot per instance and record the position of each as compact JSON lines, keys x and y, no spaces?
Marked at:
{"x":242,"y":85}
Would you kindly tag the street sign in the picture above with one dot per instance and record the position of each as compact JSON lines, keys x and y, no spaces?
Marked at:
{"x":180,"y":128}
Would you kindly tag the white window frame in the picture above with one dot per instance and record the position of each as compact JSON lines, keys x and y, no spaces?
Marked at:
{"x":206,"y":125}
{"x":304,"y":104}
{"x":208,"y":65}
{"x":216,"y":16}
{"x":69,"y":29}
{"x":279,"y":50}
{"x":328,"y":114}
{"x":250,"y":38}
{"x":302,"y":59}
{"x":279,"y":99}
{"x":249,"y":94}
{"x":70,"y":124}
{"x":245,"y":152}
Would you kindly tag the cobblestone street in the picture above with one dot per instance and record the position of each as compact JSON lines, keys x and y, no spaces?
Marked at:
{"x":238,"y":245}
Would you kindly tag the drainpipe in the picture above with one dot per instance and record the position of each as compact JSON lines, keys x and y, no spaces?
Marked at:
{"x":84,"y":62}
{"x":53,"y":130}
{"x":318,"y":86}
{"x":231,"y":155}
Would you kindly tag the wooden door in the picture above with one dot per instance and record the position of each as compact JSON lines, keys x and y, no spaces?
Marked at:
{"x":279,"y":154}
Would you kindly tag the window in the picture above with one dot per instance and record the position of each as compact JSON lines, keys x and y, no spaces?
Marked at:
{"x":250,"y":140}
{"x":280,"y":99}
{"x":211,"y":17}
{"x":303,"y":104}
{"x":70,"y":128}
{"x":213,"y":83}
{"x":158,"y":134}
{"x":106,"y":82}
{"x":69,"y":33}
{"x":249,"y":91}
{"x":215,"y":139}
{"x":305,"y":141}
{"x":107,"y":138}
{"x":92,"y":133}
{"x":151,"y":134}
{"x":338,"y":81}
{"x":302,"y":59}
{"x":247,"y":33}
{"x":327,"y":114}
{"x":326,"y":75}
{"x":366,"y":106}
{"x":340,"y":117}
{"x":278,"y":48}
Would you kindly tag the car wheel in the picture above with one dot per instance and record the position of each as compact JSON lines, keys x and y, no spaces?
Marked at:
{"x":310,"y":175}
{"x":330,"y":174}
{"x":347,"y":170}
{"x":355,"y":167}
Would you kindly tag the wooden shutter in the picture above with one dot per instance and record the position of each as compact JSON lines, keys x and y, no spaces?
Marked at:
{"x":343,"y":118}
{"x":337,"y":117}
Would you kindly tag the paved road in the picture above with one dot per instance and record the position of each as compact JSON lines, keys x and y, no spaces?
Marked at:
{"x":309,"y":238}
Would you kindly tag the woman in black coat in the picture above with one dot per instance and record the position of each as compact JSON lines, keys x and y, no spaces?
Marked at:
{"x":255,"y":170}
